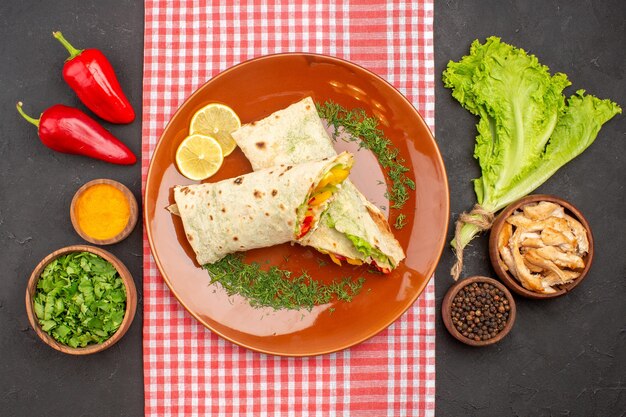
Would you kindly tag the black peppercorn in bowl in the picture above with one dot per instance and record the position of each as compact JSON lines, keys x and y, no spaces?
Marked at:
{"x":478,"y":311}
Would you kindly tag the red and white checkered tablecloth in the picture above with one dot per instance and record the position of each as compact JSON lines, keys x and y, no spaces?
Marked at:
{"x":188,"y":370}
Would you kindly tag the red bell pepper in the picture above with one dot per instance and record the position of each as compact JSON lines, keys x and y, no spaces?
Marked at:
{"x":69,"y":130}
{"x":380,"y":268}
{"x":306,"y":226}
{"x":90,"y":74}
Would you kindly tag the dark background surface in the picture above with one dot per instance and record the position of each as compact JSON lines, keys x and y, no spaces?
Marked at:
{"x":37,"y":186}
{"x":565,"y":357}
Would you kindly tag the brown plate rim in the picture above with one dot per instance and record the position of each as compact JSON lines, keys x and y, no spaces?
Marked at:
{"x":429,"y":273}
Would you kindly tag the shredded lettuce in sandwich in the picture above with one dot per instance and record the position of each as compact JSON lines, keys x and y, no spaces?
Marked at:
{"x":368,"y":250}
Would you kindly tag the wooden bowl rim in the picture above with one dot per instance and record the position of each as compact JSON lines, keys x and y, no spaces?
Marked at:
{"x":129,"y":313}
{"x":446,"y":309}
{"x":494,"y":255}
{"x":132,"y":219}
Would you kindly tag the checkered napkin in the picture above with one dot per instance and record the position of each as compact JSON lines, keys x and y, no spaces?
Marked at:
{"x":188,"y":370}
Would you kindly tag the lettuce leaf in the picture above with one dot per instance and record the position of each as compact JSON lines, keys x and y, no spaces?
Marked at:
{"x":576,"y":129}
{"x":526,"y":129}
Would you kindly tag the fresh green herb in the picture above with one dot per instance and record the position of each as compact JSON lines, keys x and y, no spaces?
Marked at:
{"x":80,"y":299}
{"x":277,"y":288}
{"x":355,"y":286}
{"x":400,"y":221}
{"x":365,"y":130}
{"x":526,"y":131}
{"x":321,"y":262}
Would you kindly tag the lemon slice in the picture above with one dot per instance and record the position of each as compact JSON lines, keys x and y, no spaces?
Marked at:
{"x":199,"y":156}
{"x":218,"y":121}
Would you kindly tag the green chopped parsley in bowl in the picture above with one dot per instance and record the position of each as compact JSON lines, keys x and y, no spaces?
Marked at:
{"x":79,"y":299}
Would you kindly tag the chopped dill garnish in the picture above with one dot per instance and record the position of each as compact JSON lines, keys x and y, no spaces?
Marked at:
{"x":365,"y":130}
{"x":400,"y":221}
{"x":276,"y":287}
{"x":355,"y":286}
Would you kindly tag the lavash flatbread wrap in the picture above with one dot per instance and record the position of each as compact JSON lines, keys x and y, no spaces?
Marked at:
{"x":259,"y":209}
{"x":352,"y":228}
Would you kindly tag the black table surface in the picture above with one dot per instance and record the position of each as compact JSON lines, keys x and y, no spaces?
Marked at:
{"x":564,"y":357}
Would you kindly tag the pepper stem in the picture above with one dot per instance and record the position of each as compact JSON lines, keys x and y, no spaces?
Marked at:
{"x":73,"y":51}
{"x":25,"y":116}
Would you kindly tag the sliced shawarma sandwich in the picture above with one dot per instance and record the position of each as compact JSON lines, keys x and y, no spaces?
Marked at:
{"x":260,"y":209}
{"x":352,"y":229}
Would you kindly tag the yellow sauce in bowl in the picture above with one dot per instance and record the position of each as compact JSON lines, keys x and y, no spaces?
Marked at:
{"x":102,"y":211}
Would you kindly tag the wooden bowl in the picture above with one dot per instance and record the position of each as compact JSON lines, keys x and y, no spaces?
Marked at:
{"x":132,"y":220}
{"x":446,"y":311}
{"x":499,"y":266}
{"x":131,"y":300}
